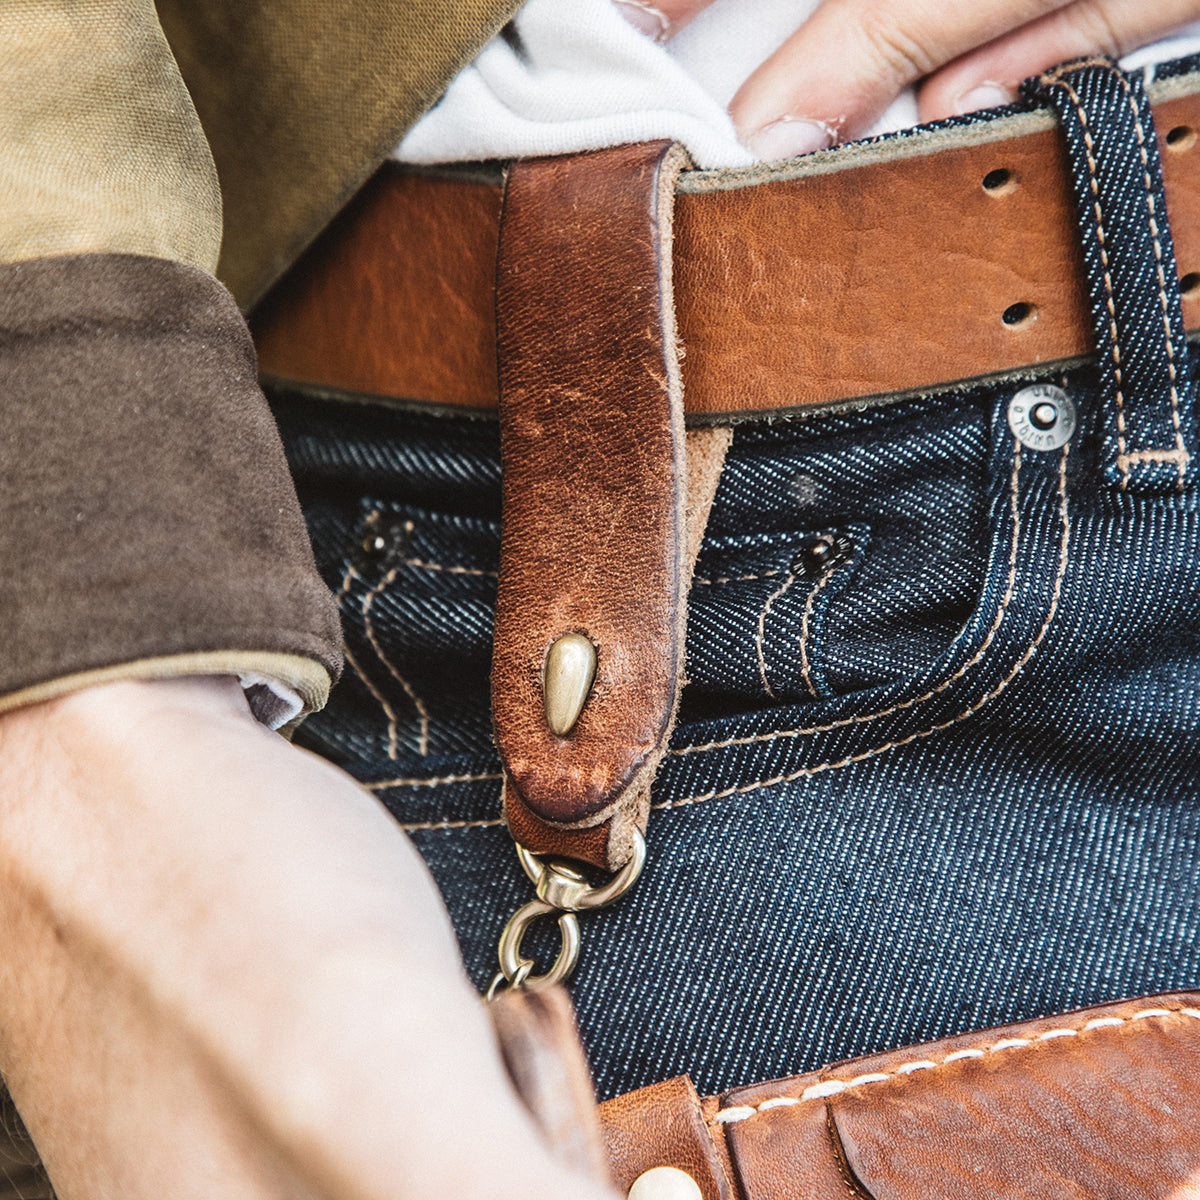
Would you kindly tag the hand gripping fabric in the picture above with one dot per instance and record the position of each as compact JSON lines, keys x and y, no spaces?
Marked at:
{"x":595,"y":495}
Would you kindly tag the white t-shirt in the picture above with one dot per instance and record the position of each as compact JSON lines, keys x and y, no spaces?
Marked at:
{"x":570,"y":75}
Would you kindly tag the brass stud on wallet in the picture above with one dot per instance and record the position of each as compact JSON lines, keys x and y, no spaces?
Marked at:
{"x":566,"y":680}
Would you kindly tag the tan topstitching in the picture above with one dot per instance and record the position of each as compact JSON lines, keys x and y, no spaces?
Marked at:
{"x":1001,"y":611}
{"x":805,"y":668}
{"x":762,"y":622}
{"x":419,"y":781}
{"x":736,"y":578}
{"x":418,"y":704}
{"x":922,"y":733}
{"x":352,"y":662}
{"x":827,"y":766}
{"x":832,"y":1087}
{"x":1052,"y":80}
{"x":1183,"y":457}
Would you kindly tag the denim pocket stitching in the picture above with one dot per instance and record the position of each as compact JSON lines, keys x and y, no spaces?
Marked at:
{"x":805,"y":625}
{"x":742,"y":789}
{"x":393,"y":721}
{"x":736,"y":579}
{"x":409,"y":691}
{"x":762,"y":622}
{"x":974,"y":660}
{"x":354,"y":665}
{"x":921,"y":733}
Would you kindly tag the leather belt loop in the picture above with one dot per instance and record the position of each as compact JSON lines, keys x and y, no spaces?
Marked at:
{"x":1149,"y":442}
{"x":594,"y":495}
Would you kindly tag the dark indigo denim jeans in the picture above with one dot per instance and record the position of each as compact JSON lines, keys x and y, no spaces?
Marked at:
{"x":937,"y":761}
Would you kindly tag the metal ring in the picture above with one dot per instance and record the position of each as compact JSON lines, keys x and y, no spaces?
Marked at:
{"x":516,"y":969}
{"x":590,"y":897}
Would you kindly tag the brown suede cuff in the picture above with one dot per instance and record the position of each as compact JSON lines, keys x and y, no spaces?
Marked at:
{"x":145,"y":504}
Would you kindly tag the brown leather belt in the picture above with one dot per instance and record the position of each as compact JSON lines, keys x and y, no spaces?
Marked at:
{"x":871,"y":269}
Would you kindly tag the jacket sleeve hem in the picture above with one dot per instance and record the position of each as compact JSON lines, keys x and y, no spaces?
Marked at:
{"x":147,"y":513}
{"x":308,"y":680}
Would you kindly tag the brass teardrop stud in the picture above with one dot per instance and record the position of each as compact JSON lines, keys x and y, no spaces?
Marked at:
{"x":569,"y":673}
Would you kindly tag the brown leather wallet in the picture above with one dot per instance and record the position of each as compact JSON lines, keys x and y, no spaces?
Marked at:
{"x":871,"y":269}
{"x":1101,"y":1102}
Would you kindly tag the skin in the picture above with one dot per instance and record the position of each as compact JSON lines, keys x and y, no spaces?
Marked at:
{"x":228,"y":974}
{"x":226,"y":971}
{"x":842,"y":68}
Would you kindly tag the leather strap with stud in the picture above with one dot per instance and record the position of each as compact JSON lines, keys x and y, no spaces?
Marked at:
{"x":599,"y":522}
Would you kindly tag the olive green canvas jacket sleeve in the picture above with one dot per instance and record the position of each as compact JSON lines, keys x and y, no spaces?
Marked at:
{"x":148,"y":525}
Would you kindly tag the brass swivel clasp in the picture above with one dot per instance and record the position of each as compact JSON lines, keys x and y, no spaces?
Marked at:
{"x":562,"y":891}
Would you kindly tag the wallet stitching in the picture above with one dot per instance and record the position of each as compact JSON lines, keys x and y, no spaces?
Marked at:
{"x":833,"y":1087}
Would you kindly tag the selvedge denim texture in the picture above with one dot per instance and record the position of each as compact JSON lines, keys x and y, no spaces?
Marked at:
{"x":936,"y":766}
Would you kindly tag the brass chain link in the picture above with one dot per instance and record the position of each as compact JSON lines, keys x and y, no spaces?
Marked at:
{"x":562,"y":891}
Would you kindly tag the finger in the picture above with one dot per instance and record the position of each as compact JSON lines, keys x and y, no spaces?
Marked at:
{"x":992,"y":74}
{"x":662,"y":19}
{"x":833,"y":77}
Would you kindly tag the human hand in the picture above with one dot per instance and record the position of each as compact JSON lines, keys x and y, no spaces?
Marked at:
{"x":837,"y":74}
{"x":228,"y":974}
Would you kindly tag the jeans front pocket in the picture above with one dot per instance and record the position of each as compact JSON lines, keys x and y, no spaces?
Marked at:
{"x":896,"y":658}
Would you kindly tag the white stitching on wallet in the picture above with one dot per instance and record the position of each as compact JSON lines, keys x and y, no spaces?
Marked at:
{"x":832,"y":1087}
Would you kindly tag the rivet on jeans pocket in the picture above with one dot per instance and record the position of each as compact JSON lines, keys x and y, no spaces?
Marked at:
{"x":1042,"y":417}
{"x":822,"y":554}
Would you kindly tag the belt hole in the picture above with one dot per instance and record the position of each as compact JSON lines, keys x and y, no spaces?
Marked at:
{"x":1019,"y":315}
{"x":1000,"y":182}
{"x":1189,"y":285}
{"x":1180,"y":138}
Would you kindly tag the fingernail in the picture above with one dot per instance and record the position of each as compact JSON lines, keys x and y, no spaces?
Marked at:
{"x":645,"y":18}
{"x":986,"y":95}
{"x":790,"y":137}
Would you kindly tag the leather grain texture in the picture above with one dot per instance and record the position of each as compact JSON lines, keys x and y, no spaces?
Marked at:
{"x":594,"y":490}
{"x":1103,"y":1102}
{"x":663,"y":1125}
{"x":856,"y":276}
